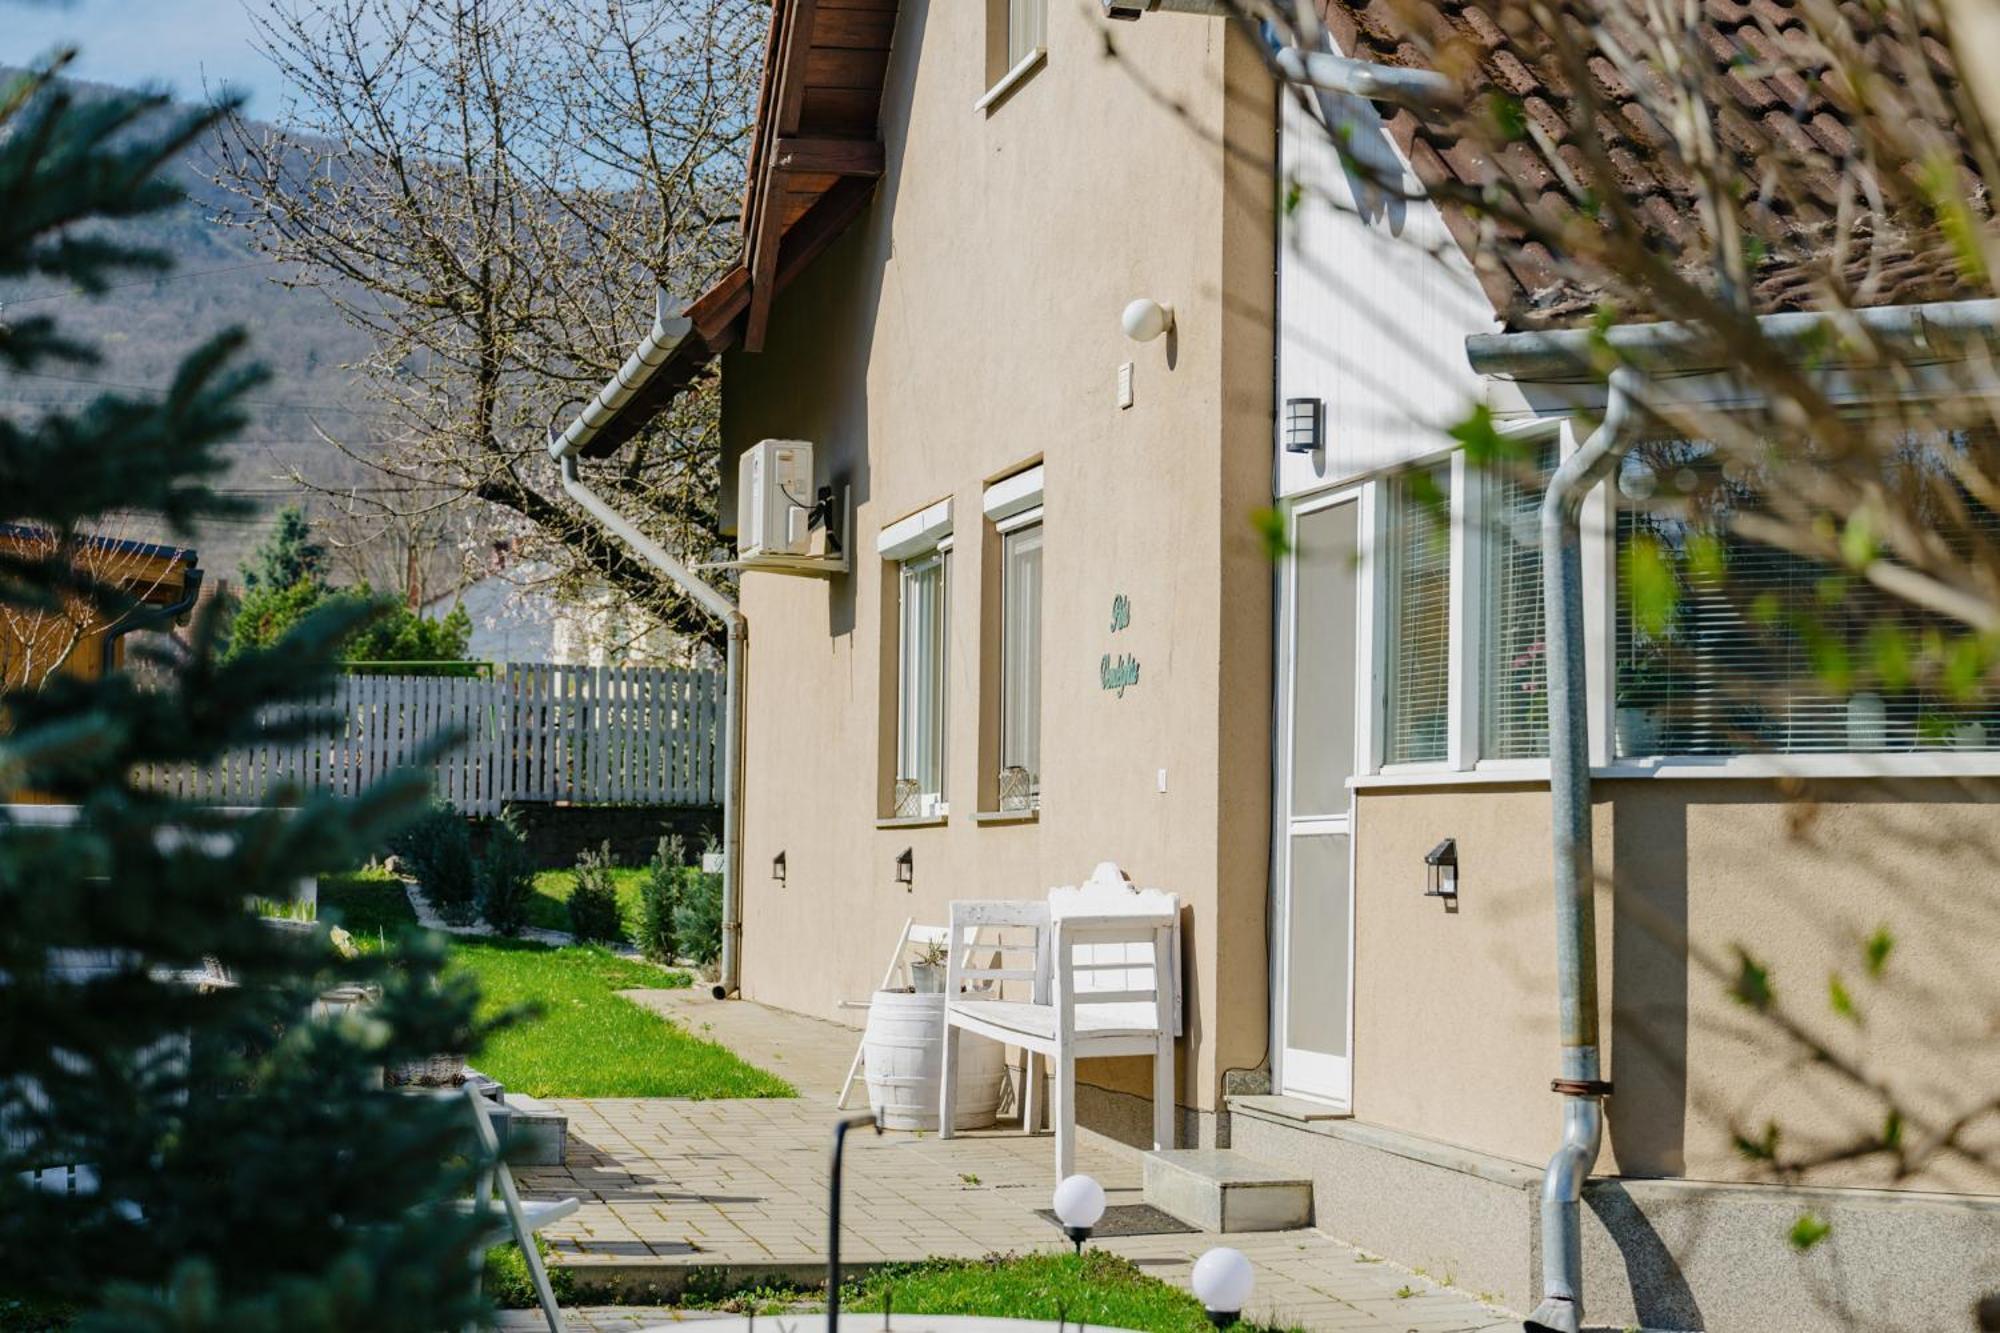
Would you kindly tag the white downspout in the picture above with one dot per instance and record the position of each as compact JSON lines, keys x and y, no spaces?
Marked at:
{"x":652,"y":352}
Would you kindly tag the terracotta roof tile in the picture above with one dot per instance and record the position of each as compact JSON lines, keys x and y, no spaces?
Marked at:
{"x":1780,"y":116}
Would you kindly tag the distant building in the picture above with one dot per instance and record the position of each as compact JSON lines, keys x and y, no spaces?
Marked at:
{"x":516,"y":617}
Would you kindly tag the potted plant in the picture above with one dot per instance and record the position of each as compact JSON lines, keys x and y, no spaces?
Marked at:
{"x":1642,"y":696}
{"x":927,"y":970}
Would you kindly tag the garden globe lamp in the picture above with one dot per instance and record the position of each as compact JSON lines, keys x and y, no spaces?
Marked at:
{"x":1222,"y":1282}
{"x":1079,"y":1202}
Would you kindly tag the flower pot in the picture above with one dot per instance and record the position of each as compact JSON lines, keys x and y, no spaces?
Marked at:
{"x":1637,"y":731}
{"x":927,"y":978}
{"x":1867,"y":722}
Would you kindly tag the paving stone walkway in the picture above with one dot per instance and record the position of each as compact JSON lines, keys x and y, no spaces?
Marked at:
{"x":675,"y":1186}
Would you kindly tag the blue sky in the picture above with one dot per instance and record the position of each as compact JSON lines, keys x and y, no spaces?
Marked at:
{"x":174,"y":44}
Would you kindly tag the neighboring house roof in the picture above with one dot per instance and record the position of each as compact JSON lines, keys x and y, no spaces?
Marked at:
{"x":1771,"y":103}
{"x":814,"y":160}
{"x":159,"y":573}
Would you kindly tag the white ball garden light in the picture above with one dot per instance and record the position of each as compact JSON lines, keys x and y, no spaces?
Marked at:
{"x":1222,"y":1282}
{"x":1145,"y":320}
{"x":1079,"y":1203}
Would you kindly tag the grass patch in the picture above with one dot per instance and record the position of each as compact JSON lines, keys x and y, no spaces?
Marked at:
{"x":509,"y":1286}
{"x":548,"y":906}
{"x":370,"y":904}
{"x":1094,"y":1288}
{"x":587,"y":1040}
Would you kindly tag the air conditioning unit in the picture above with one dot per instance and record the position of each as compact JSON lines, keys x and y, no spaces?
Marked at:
{"x":774,"y":498}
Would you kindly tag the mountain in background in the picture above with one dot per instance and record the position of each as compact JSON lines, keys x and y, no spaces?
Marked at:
{"x":145,"y":326}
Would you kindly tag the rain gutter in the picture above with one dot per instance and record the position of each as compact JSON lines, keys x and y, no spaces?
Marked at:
{"x":639,"y":368}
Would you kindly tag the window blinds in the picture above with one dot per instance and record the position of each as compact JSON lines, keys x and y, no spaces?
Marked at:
{"x":1739,"y":667}
{"x":1419,"y":616}
{"x":920,"y":742}
{"x":1514,"y":699}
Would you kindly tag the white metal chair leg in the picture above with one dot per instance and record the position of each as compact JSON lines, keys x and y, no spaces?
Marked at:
{"x":1029,"y":1124}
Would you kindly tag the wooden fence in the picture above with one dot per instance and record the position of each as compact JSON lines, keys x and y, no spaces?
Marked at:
{"x":587,"y":735}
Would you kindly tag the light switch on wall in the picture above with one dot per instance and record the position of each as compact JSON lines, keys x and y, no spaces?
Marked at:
{"x":1163,"y":779}
{"x":1125,"y":385}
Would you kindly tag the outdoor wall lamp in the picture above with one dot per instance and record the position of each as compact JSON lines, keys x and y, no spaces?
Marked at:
{"x":1303,"y":432}
{"x":778,"y":867}
{"x":1078,"y":1204}
{"x":1222,"y":1282}
{"x":1441,"y":870}
{"x":906,"y":868}
{"x":1146,"y":319}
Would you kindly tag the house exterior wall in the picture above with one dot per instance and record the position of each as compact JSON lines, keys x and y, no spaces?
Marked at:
{"x":966,"y":327}
{"x":1456,"y":1012}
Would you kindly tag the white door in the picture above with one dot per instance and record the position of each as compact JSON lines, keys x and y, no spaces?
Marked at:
{"x":1315,"y":965}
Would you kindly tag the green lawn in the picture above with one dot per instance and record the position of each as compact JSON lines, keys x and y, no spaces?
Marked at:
{"x":1097,"y":1288}
{"x":587,"y":1040}
{"x":549,"y":907}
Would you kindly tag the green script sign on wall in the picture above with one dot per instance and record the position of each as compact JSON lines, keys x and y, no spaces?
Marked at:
{"x":1122,"y":674}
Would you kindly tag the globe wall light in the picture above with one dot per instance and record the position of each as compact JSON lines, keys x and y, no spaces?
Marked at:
{"x":1079,"y":1203}
{"x":1222,"y":1282}
{"x":1146,"y":319}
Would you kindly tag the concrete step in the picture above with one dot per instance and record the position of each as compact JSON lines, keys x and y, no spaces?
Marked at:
{"x":1218,"y":1189}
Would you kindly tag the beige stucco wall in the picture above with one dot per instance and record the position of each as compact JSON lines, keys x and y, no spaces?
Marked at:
{"x":966,"y":326}
{"x":1455,"y":1013}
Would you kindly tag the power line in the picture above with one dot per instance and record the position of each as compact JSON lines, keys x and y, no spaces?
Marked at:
{"x":299,"y":405}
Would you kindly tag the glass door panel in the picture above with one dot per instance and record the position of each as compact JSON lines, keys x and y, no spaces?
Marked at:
{"x":1315,"y":988}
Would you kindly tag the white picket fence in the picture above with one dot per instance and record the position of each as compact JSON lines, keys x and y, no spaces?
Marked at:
{"x":587,"y":735}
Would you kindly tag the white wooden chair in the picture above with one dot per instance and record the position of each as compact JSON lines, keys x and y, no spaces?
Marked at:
{"x":1104,"y":981}
{"x":514,"y":1219}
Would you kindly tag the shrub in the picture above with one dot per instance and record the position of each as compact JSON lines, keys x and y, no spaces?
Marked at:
{"x":659,"y":896}
{"x":698,"y":917}
{"x":506,"y":876}
{"x":593,"y":903}
{"x":436,"y":851}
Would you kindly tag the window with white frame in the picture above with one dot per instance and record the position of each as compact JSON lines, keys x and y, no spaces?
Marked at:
{"x":1759,"y":650}
{"x":1513,"y":652}
{"x":1020,"y":778}
{"x":1417,"y":619}
{"x":923,"y":598}
{"x":1027,"y":29}
{"x":919,"y":546}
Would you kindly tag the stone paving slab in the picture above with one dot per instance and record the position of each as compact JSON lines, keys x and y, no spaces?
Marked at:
{"x":670,"y":1187}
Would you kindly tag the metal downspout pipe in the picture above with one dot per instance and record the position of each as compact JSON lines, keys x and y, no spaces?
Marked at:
{"x":1581,"y":1083}
{"x":719,"y":605}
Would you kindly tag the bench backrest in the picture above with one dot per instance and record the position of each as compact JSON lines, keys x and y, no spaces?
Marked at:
{"x":1107,"y":932}
{"x":1014,"y":947}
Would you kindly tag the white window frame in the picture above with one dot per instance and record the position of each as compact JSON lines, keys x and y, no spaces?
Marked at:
{"x":1006,"y":527}
{"x":914,"y":540}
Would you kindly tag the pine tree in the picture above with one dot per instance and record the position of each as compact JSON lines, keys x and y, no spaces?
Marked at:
{"x":288,"y":556}
{"x":249,"y":1172}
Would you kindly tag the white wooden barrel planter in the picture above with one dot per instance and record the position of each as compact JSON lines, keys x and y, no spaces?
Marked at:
{"x":904,"y":1046}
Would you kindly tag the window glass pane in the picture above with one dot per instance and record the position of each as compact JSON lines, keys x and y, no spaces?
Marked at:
{"x":1418,"y":619}
{"x":1323,"y":697}
{"x":1316,"y":945}
{"x":1027,"y":22}
{"x":1752,"y":661}
{"x":920,"y":680}
{"x":1021,"y":668}
{"x":1514,"y":713}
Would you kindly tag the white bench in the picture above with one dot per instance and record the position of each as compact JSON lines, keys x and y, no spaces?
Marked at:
{"x":1104,"y":980}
